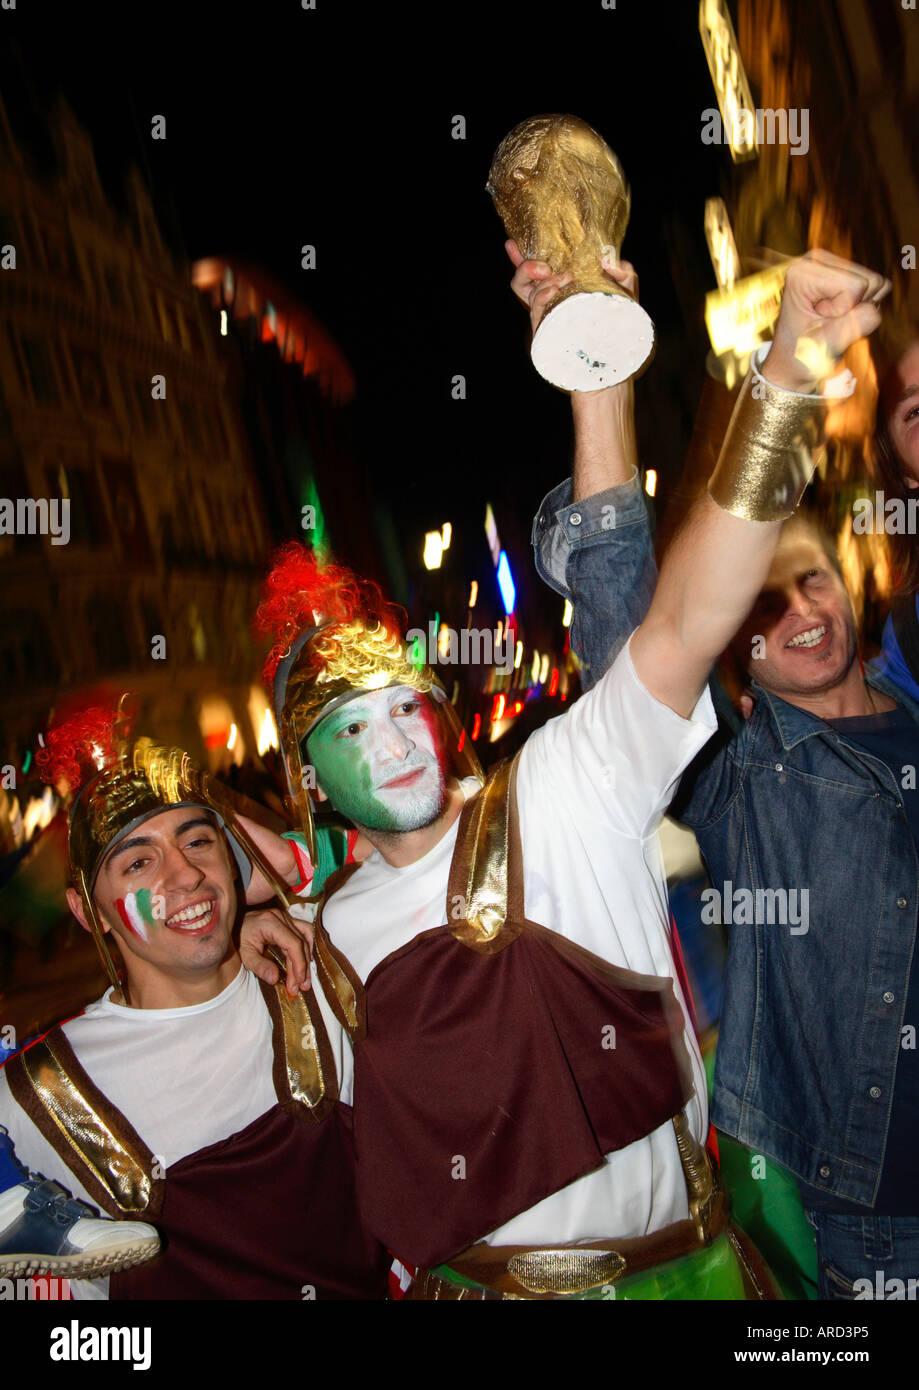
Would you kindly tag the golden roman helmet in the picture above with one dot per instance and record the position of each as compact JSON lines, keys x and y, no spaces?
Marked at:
{"x":336,"y":638}
{"x":117,"y":783}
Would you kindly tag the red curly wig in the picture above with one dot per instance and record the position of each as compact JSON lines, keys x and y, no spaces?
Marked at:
{"x":299,"y":593}
{"x":78,"y":747}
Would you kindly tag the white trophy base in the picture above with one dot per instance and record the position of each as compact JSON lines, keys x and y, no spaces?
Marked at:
{"x":592,"y":340}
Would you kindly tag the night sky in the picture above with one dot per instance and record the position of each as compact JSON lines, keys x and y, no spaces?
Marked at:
{"x":333,"y":127}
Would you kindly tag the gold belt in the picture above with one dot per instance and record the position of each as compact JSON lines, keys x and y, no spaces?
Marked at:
{"x":524,"y":1272}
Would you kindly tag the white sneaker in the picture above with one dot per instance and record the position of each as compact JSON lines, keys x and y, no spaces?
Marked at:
{"x":43,"y":1230}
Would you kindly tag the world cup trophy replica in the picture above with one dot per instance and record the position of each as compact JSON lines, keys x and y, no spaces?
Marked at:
{"x":562,"y":196}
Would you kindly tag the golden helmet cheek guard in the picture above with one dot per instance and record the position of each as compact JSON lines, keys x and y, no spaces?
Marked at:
{"x":328,"y":666}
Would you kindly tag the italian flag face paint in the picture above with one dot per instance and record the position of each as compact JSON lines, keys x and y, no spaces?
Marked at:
{"x":136,"y":911}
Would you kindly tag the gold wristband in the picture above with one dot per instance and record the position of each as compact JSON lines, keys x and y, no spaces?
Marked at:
{"x":765,"y":461}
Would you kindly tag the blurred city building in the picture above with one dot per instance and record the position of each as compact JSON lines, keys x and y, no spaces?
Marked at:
{"x":169,"y":465}
{"x":850,"y":68}
{"x":114,"y":400}
{"x":293,"y":385}
{"x":180,"y":462}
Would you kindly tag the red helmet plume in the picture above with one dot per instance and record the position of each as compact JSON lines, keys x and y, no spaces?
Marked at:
{"x":78,"y":747}
{"x":299,"y":593}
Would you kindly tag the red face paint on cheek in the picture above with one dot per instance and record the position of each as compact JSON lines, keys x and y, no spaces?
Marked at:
{"x":136,"y":912}
{"x":429,"y":717}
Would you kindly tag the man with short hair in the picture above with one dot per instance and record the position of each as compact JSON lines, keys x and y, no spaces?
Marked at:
{"x":530,"y":1098}
{"x":816,"y":1064}
{"x":189,"y":1094}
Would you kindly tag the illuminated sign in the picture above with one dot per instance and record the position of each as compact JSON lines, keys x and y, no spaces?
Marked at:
{"x":721,"y":244}
{"x":433,"y":550}
{"x":506,"y":583}
{"x":728,"y":78}
{"x":491,"y":531}
{"x":738,"y":318}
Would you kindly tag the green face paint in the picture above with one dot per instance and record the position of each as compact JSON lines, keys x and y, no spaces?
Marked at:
{"x":136,"y":912}
{"x":343,"y":771}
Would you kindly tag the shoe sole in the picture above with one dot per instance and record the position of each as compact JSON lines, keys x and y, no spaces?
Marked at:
{"x":80,"y":1266}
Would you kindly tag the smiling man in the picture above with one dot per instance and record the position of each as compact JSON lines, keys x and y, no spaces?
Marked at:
{"x":530,"y":1102}
{"x":800,"y":641}
{"x":817,"y":1064}
{"x":189,"y":1094}
{"x":179,"y":958}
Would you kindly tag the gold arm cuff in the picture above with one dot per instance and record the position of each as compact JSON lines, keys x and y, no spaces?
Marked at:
{"x":765,"y":461}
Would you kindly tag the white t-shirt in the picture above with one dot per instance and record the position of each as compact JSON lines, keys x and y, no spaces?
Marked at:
{"x":592,"y":786}
{"x":184,"y":1078}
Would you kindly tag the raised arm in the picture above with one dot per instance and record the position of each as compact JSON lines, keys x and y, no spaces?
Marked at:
{"x":591,"y":535}
{"x":605,"y":453}
{"x":718,"y":562}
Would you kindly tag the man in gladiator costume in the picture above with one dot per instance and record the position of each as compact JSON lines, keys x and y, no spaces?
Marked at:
{"x":190,"y":1095}
{"x":530,"y":1100}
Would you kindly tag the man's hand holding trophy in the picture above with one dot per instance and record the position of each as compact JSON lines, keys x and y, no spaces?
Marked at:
{"x":562,"y":196}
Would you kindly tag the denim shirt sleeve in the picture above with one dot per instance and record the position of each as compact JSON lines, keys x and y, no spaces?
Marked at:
{"x":598,"y":554}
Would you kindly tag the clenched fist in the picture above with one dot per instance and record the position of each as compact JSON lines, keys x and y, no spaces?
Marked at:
{"x":827,"y":305}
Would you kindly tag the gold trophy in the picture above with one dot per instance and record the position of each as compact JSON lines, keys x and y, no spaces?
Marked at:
{"x":562,"y":196}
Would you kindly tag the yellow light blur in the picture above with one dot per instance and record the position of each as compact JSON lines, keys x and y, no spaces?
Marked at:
{"x":518,"y":656}
{"x":262,"y":720}
{"x":38,"y":813}
{"x":377,"y":680}
{"x":473,"y":593}
{"x":231,"y":741}
{"x":568,"y":613}
{"x":446,"y":535}
{"x":651,"y":482}
{"x":721,"y":244}
{"x":443,"y":640}
{"x":491,"y":531}
{"x":223,"y":323}
{"x":267,"y":734}
{"x":739,"y":318}
{"x":433,"y":550}
{"x":817,"y":357}
{"x":728,"y":78}
{"x":544,"y":669}
{"x":534,"y":669}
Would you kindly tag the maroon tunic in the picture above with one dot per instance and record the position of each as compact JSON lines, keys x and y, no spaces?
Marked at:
{"x":490,"y":1078}
{"x":268,"y":1213}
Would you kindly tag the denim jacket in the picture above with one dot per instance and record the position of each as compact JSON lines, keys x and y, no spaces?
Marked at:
{"x":810,"y":1029}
